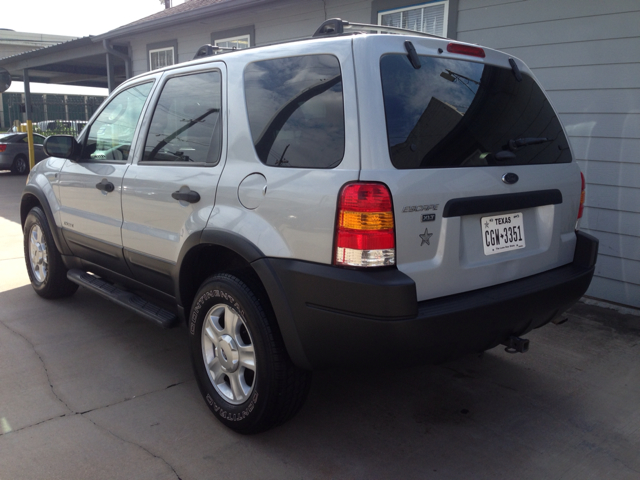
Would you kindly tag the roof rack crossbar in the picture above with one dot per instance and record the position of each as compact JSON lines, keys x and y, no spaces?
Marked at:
{"x":337,"y":26}
{"x":208,"y":50}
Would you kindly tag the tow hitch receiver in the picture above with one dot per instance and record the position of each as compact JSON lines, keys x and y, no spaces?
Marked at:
{"x":516,"y":345}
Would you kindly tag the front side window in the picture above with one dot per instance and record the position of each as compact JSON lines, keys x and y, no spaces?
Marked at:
{"x":111,"y":134}
{"x":161,"y":57}
{"x":454,"y":113}
{"x":426,"y":18}
{"x":186,"y":126}
{"x":296,"y":112}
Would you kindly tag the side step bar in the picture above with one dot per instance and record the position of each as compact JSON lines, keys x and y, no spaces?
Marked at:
{"x":152,"y":312}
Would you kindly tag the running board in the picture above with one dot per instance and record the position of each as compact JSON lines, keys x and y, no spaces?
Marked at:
{"x":129,"y":300}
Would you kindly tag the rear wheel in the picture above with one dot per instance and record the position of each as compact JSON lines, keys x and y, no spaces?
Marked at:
{"x":20,"y":165}
{"x":239,"y":358}
{"x":47,"y":273}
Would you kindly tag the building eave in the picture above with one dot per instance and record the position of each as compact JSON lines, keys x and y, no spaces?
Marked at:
{"x":177,"y":18}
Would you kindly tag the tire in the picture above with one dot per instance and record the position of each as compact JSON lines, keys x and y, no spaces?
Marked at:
{"x":20,"y":165}
{"x":239,"y":358}
{"x":47,"y":273}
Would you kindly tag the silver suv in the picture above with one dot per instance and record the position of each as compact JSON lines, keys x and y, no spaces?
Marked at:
{"x":354,"y":199}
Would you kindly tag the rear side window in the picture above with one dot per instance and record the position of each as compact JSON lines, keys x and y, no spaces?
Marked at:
{"x":186,"y":127}
{"x":453,"y":113}
{"x":296,"y":111}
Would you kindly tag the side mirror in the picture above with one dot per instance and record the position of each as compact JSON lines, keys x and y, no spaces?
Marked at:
{"x":63,"y":146}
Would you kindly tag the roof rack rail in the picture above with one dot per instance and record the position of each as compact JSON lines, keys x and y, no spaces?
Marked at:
{"x":208,"y":50}
{"x":337,"y":26}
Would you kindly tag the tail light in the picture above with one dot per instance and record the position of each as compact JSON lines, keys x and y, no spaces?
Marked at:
{"x":3,"y":147}
{"x":582,"y":195}
{"x":365,"y":230}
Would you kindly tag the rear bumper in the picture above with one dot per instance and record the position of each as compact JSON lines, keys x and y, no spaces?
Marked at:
{"x":332,"y":316}
{"x":5,"y":162}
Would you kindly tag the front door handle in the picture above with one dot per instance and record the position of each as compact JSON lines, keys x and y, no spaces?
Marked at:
{"x":189,"y":196}
{"x":105,"y":186}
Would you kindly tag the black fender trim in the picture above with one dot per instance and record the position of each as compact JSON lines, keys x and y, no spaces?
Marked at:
{"x":58,"y":238}
{"x":283,"y":311}
{"x":232,"y":241}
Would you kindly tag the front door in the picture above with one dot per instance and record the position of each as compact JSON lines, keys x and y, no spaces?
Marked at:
{"x":91,"y":187}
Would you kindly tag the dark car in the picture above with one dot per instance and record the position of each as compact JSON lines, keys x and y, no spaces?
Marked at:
{"x":14,"y":152}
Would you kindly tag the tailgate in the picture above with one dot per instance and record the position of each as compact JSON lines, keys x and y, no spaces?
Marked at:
{"x":484,"y":186}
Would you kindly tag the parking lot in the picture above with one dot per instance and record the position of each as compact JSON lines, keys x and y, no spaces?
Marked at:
{"x":90,"y":390}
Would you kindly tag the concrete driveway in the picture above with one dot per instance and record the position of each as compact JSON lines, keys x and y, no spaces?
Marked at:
{"x":91,"y":391}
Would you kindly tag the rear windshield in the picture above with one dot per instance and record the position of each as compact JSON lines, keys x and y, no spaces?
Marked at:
{"x":453,"y":113}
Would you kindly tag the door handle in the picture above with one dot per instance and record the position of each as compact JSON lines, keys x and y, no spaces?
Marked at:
{"x":105,"y":186}
{"x":189,"y":196}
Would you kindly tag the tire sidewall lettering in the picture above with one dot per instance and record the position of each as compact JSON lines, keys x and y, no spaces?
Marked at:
{"x":235,"y":417}
{"x":207,"y":296}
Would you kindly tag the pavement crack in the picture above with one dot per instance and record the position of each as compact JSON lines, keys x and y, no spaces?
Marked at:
{"x":131,"y":398}
{"x":110,"y":432}
{"x":38,"y":423}
{"x":44,"y":365}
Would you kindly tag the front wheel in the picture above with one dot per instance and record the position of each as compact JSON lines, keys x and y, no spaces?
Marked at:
{"x":46,"y":270}
{"x":239,"y":358}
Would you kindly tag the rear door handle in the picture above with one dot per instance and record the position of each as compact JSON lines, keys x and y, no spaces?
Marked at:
{"x":189,"y":196}
{"x":105,"y":186}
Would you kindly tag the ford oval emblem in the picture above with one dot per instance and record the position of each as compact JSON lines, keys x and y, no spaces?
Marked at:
{"x":510,"y":178}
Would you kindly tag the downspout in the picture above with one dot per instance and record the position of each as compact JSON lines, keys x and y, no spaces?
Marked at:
{"x":127,"y":62}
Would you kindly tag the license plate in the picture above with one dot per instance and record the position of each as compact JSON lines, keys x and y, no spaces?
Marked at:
{"x":502,"y":233}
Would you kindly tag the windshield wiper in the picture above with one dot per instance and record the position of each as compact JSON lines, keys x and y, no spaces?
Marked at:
{"x":516,"y":143}
{"x":507,"y":152}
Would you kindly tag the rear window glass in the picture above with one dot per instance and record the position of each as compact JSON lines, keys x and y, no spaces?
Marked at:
{"x":295,"y":111}
{"x":452,"y":113}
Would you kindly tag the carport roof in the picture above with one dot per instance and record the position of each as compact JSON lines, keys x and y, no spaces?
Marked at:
{"x":82,"y":61}
{"x":78,"y":62}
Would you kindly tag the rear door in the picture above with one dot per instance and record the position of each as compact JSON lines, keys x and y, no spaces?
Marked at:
{"x":483,"y":183}
{"x":169,"y":191}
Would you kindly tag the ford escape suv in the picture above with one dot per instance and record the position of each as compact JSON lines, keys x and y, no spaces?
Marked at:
{"x":355,"y":199}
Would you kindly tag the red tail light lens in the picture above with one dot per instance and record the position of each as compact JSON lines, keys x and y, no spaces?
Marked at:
{"x":469,"y":50}
{"x":365,"y":230}
{"x":3,"y":147}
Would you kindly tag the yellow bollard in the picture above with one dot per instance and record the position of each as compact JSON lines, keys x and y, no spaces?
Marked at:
{"x":32,"y":153}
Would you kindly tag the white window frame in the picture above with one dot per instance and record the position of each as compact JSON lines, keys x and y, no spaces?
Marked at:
{"x":246,"y":38}
{"x":163,"y":49}
{"x":421,"y":5}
